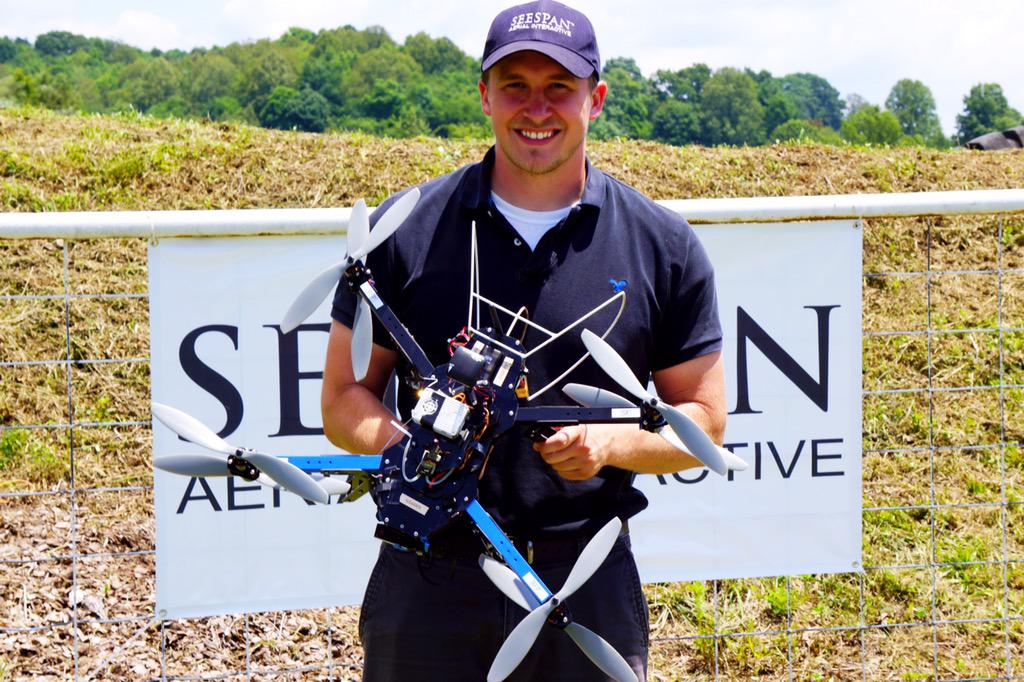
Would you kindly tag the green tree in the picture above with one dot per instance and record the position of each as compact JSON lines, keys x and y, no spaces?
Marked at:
{"x":57,"y":43}
{"x":149,"y":82}
{"x":985,"y":110}
{"x":211,"y":76}
{"x":778,"y":104}
{"x":271,"y":71}
{"x":629,"y":105}
{"x":450,"y":103}
{"x":730,"y":110}
{"x":385,"y":100}
{"x":24,"y":87}
{"x":912,"y":103}
{"x":871,"y":125}
{"x":805,"y":131}
{"x":172,"y":107}
{"x":814,"y":97}
{"x":435,"y":55}
{"x":296,"y":35}
{"x":778,"y":109}
{"x":378,"y":65}
{"x":8,"y":49}
{"x":226,"y":108}
{"x":329,"y":63}
{"x":49,"y":89}
{"x":676,"y":122}
{"x":286,"y":108}
{"x":684,"y":85}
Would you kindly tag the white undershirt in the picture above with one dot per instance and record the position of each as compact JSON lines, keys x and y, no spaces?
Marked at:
{"x":531,"y":225}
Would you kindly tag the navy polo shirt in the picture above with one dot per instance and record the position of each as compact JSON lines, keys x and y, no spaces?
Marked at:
{"x":614,"y":239}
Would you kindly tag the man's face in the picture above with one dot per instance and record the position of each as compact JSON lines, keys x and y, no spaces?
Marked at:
{"x":539,"y":111}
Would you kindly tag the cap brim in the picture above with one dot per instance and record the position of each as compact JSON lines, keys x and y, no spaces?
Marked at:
{"x":575,"y":64}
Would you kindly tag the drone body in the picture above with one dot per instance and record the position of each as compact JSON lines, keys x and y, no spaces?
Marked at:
{"x":429,"y":477}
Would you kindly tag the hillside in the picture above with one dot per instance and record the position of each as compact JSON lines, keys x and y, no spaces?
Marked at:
{"x":52,"y":162}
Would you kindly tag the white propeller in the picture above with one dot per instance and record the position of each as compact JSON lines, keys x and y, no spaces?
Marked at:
{"x":591,"y":396}
{"x":521,"y":639}
{"x":697,"y":443}
{"x":733,"y":461}
{"x":361,"y":241}
{"x":334,"y":486}
{"x":590,"y":643}
{"x":280,"y":471}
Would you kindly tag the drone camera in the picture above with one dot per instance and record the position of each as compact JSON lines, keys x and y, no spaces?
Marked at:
{"x":440,"y":413}
{"x":471,"y":367}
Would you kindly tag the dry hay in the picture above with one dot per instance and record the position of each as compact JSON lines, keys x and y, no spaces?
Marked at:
{"x":98,"y":163}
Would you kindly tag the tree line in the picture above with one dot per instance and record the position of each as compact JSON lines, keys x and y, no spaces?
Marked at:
{"x":363,"y":80}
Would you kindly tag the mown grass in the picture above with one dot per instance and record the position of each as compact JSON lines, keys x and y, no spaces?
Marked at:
{"x":943,"y":473}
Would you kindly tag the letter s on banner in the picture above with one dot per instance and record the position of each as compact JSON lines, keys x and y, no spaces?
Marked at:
{"x":210,"y":380}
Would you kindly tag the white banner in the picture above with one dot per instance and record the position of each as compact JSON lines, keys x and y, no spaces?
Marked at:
{"x":790,"y":301}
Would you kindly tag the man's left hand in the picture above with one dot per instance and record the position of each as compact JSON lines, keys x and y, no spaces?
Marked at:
{"x":576,"y":452}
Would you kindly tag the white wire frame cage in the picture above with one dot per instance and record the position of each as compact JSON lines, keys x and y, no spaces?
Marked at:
{"x":941,"y":596}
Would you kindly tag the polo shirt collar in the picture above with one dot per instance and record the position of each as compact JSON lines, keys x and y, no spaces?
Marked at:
{"x":474,"y":190}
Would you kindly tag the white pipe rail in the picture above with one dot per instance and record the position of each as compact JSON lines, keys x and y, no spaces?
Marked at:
{"x":296,"y":221}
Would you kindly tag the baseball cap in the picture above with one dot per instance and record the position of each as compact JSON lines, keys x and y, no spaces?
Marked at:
{"x":548,"y":27}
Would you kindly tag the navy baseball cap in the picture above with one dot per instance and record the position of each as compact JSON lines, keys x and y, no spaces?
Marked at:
{"x":548,"y":27}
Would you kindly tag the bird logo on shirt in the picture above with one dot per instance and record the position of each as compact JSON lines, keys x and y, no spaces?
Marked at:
{"x":618,"y":284}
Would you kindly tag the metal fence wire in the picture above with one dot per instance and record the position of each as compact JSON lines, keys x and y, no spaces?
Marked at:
{"x":941,"y":596}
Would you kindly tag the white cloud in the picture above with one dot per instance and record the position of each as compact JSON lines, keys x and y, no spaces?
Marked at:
{"x":146,"y":30}
{"x":271,"y":18}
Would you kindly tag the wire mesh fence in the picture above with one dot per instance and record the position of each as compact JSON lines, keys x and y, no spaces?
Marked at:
{"x":940,"y":596}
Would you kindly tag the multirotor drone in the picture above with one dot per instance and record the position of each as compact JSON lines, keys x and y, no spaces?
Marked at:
{"x":428,"y":477}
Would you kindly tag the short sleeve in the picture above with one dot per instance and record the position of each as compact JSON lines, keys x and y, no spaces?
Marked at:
{"x":380,"y":260}
{"x":689,"y":325}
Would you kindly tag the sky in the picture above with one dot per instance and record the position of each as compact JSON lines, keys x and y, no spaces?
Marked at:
{"x":860,"y":46}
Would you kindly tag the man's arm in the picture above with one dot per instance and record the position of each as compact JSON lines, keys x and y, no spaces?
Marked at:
{"x":697,"y":387}
{"x":354,"y":417}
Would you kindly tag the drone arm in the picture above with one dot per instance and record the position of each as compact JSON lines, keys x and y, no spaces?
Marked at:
{"x":340,"y":464}
{"x":354,"y":417}
{"x":578,"y":415}
{"x":594,"y":438}
{"x":406,"y":343}
{"x":490,"y":529}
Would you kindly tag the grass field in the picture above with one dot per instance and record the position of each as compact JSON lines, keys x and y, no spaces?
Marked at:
{"x":943,"y":526}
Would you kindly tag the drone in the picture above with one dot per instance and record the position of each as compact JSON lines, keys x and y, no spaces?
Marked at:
{"x":428,"y":476}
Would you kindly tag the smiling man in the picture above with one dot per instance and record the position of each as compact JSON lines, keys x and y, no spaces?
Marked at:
{"x":557,"y":236}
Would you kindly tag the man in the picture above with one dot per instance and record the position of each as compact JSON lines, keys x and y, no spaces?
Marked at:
{"x":559,"y":237}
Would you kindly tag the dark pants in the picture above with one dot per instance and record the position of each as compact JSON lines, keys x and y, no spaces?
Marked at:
{"x":442,"y":619}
